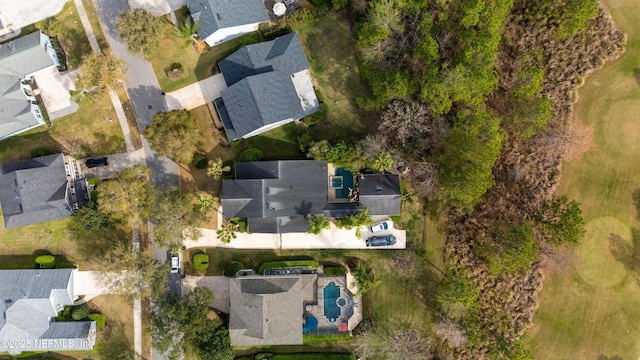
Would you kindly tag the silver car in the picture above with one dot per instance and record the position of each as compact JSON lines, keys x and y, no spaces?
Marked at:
{"x":175,"y":263}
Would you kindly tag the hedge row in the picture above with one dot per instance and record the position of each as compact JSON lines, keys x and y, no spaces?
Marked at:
{"x":310,"y":338}
{"x":286,"y":264}
{"x":301,"y":356}
{"x":314,"y":356}
{"x":337,"y":270}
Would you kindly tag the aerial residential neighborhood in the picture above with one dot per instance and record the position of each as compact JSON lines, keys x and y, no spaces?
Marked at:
{"x":319,"y":179}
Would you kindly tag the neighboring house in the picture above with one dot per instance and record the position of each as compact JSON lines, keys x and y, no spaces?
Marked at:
{"x":277,"y":196}
{"x":223,"y":20}
{"x":40,"y":189}
{"x":18,"y":14}
{"x":269,"y":85}
{"x":20,"y":61}
{"x":30,"y":302}
{"x":278,"y":310}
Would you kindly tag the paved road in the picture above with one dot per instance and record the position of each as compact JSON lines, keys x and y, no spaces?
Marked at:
{"x":142,"y":87}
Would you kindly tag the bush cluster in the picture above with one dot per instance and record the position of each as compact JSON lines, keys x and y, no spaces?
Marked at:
{"x":232,"y":268}
{"x":201,"y":262}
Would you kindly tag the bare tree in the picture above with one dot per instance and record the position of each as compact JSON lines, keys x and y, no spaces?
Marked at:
{"x":450,"y":332}
{"x":426,"y":176}
{"x":412,"y":125}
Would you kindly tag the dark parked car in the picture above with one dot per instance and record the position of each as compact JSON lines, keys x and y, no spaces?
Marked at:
{"x":95,"y":162}
{"x":381,"y":240}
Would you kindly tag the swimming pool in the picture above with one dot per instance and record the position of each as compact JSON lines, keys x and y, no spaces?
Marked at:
{"x":331,"y":308}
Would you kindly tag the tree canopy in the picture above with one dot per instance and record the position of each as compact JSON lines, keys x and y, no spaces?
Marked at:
{"x":124,"y":271}
{"x":177,"y":216}
{"x":181,"y":326}
{"x":99,"y":72}
{"x":174,"y":134}
{"x":141,"y":30}
{"x":561,"y":221}
{"x":127,"y":199}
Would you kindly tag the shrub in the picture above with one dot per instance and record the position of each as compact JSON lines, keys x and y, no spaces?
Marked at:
{"x":99,"y":319}
{"x":285,"y":264}
{"x":93,"y":181}
{"x":201,"y":262}
{"x":46,"y":261}
{"x":251,"y":154}
{"x":335,"y":270}
{"x":200,"y":161}
{"x":40,"y":152}
{"x":240,"y":222}
{"x":80,"y":312}
{"x":232,"y":268}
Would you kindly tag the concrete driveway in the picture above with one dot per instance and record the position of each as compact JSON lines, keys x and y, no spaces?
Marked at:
{"x":332,"y":238}
{"x":117,"y":163}
{"x":198,"y":94}
{"x":23,"y":13}
{"x":86,"y":283}
{"x":158,"y":7}
{"x":54,"y":89}
{"x":219,"y":285}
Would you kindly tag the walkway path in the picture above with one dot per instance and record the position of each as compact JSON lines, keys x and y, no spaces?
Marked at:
{"x":117,"y":105}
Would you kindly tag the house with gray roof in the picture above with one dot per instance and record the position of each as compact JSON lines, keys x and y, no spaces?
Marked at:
{"x":223,"y":20}
{"x":41,"y":189}
{"x":20,"y":61}
{"x":278,"y":196}
{"x":269,"y":85}
{"x":265,"y":310}
{"x":30,"y":301}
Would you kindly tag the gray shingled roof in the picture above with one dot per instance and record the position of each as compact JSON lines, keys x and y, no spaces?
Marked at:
{"x":266,"y":311}
{"x":34,"y":191}
{"x":261,"y":91}
{"x":30,"y":298}
{"x":18,"y":58}
{"x":23,"y":56}
{"x":276,"y":204}
{"x":214,"y":15}
{"x":284,"y":54}
{"x":380,"y":194}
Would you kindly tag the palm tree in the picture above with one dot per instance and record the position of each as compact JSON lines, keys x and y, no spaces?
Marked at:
{"x":216,"y":169}
{"x":318,"y":223}
{"x":381,"y":161}
{"x":227,"y":232}
{"x":187,"y":28}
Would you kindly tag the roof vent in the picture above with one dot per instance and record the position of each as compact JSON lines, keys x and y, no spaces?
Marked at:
{"x":218,"y":16}
{"x":379,"y":189}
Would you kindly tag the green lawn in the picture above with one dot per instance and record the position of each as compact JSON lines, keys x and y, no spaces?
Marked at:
{"x":592,"y":309}
{"x":70,"y":32}
{"x":90,"y":8}
{"x":174,"y":49}
{"x":94,"y":126}
{"x":330,"y":46}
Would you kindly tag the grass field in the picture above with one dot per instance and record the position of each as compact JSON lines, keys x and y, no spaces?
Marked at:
{"x":330,"y":47}
{"x":592,"y":310}
{"x":174,"y":49}
{"x":94,"y":125}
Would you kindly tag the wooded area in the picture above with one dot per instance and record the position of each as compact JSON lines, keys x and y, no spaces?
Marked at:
{"x":477,"y":96}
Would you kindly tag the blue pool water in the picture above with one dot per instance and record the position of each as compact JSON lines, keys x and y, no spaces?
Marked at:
{"x":347,"y":182}
{"x":331,"y":295}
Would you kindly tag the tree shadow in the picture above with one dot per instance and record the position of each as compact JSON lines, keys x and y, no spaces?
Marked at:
{"x":636,"y":200}
{"x":636,"y":75}
{"x":605,"y":357}
{"x":628,"y":253}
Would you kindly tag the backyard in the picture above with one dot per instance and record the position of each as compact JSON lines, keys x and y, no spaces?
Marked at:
{"x":591,"y":308}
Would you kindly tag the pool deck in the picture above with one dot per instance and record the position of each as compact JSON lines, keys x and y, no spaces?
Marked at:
{"x":350,"y":313}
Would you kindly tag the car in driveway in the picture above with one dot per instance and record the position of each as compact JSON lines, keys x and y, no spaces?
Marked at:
{"x":387,"y":240}
{"x":175,"y":263}
{"x":381,"y":226}
{"x":96,"y":162}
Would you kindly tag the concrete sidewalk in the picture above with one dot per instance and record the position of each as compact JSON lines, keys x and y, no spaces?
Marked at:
{"x":198,"y":94}
{"x":333,"y":238}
